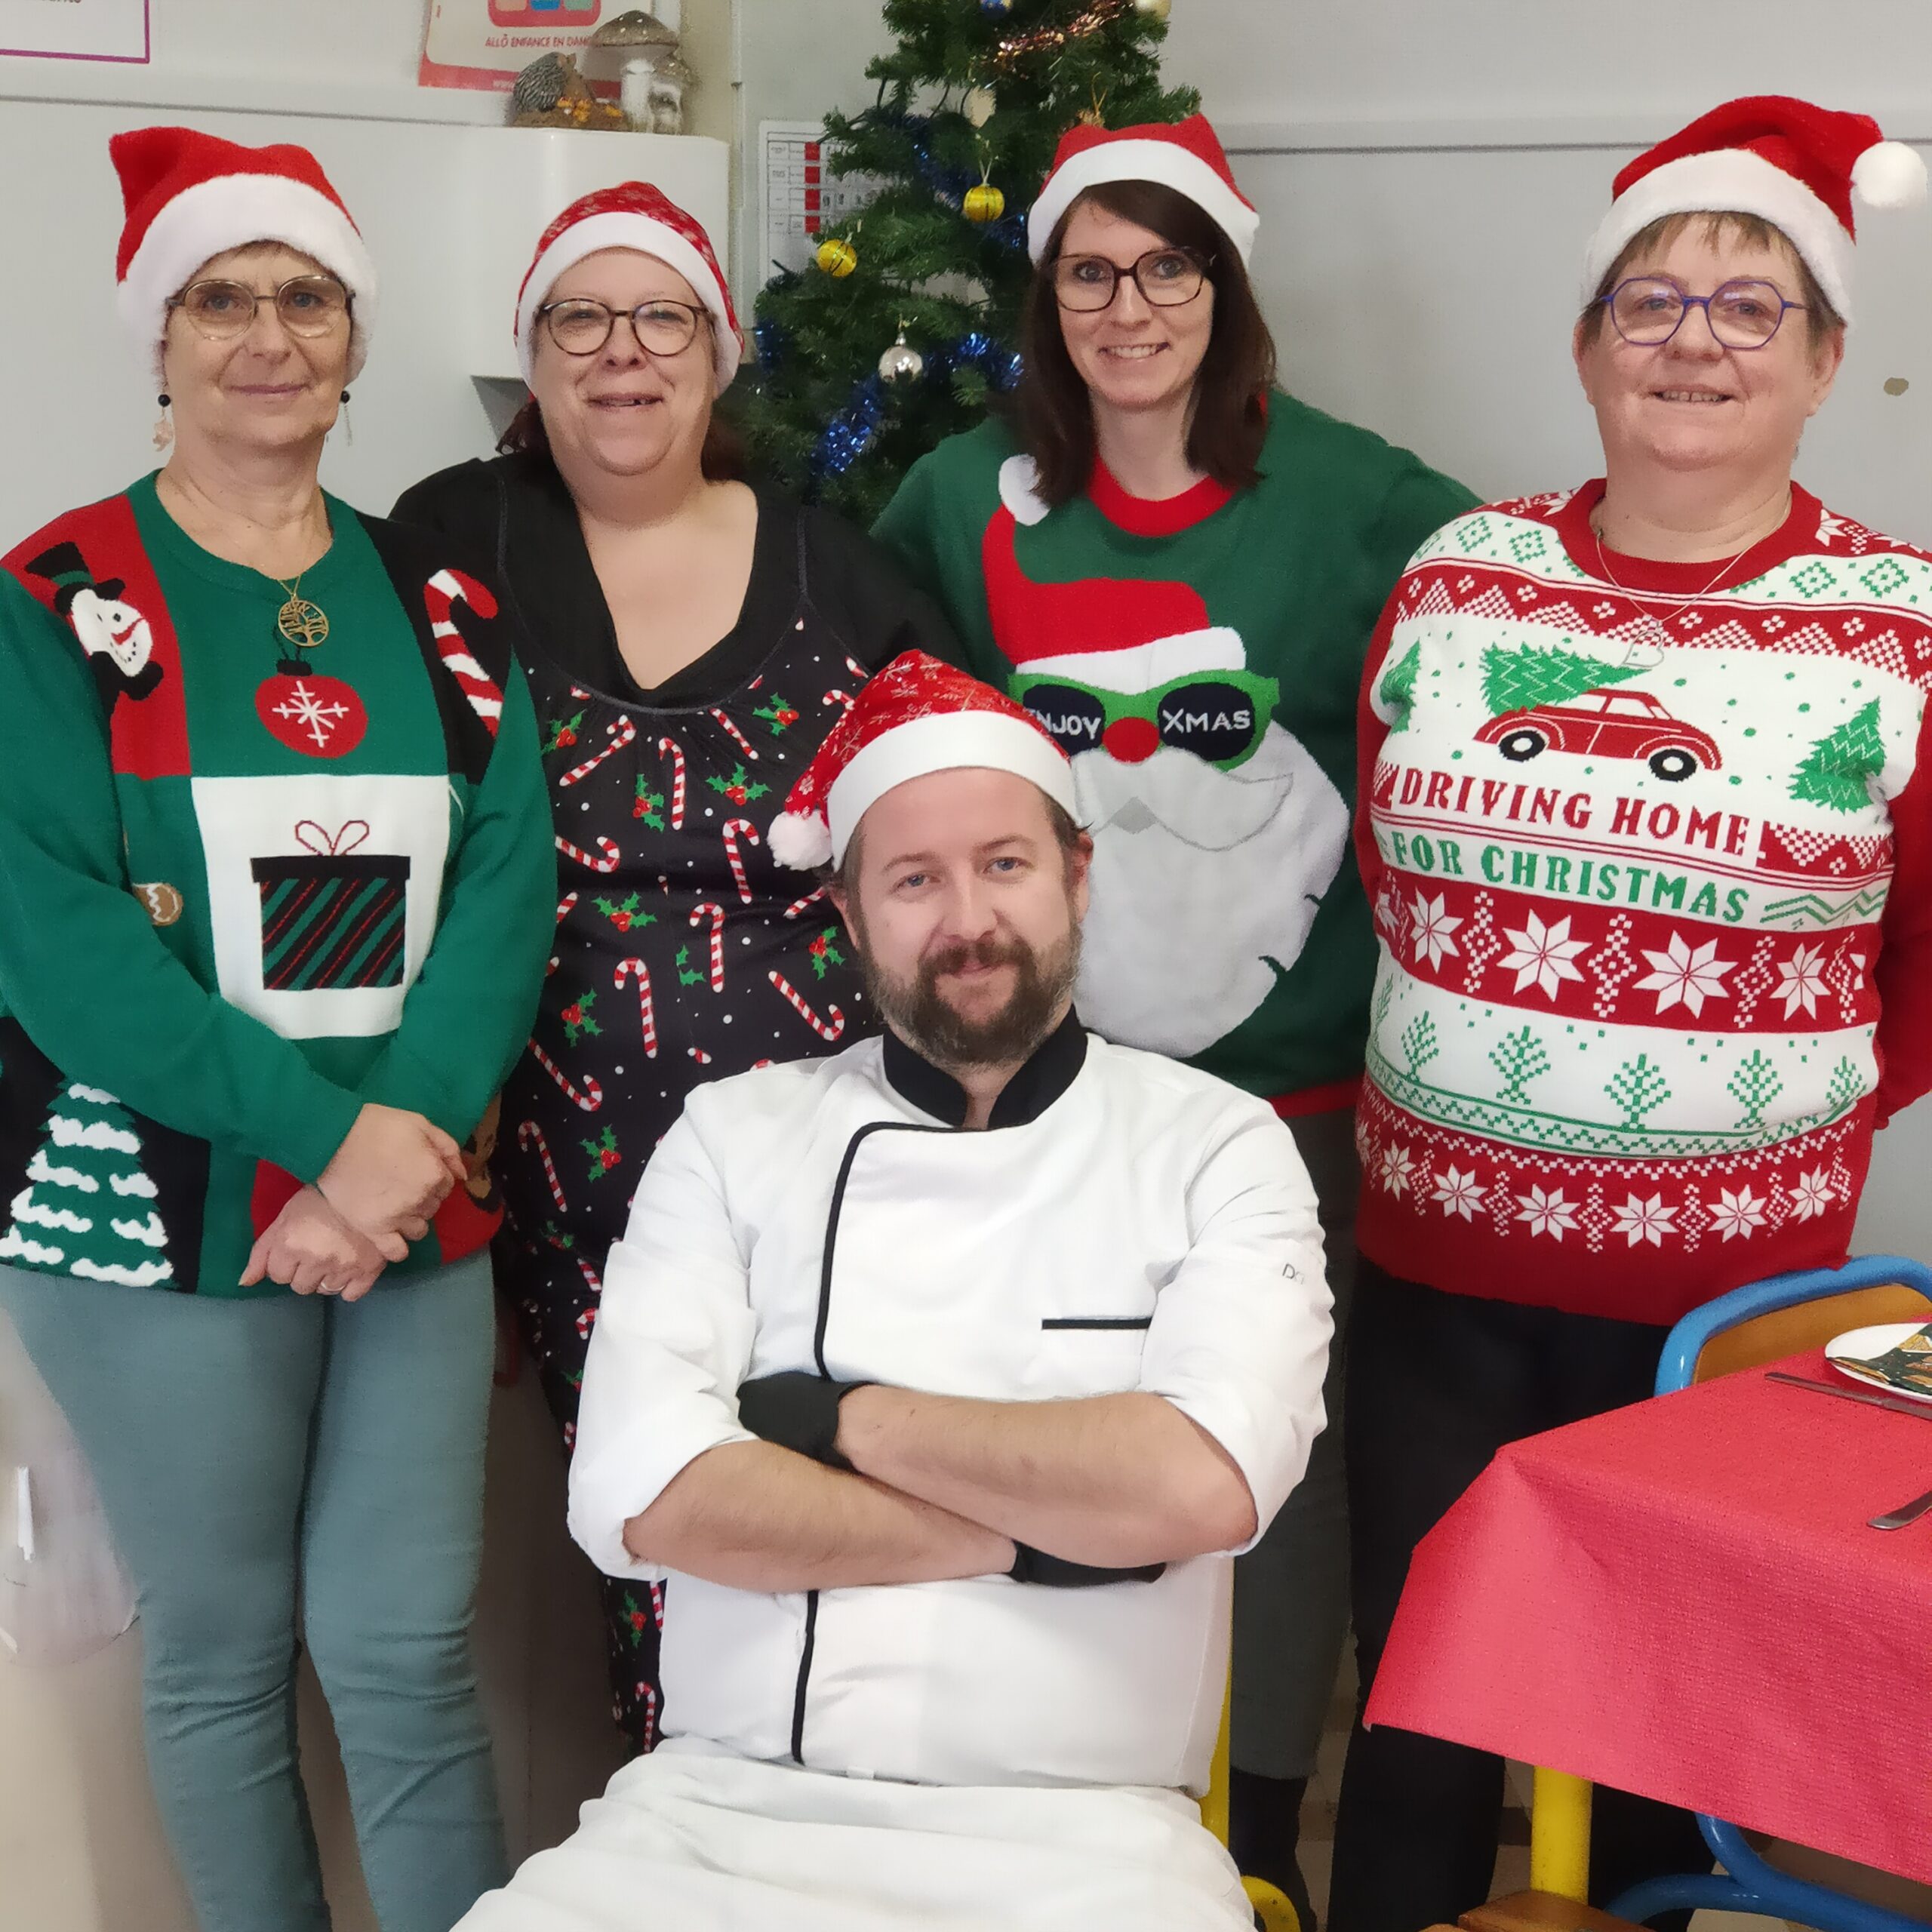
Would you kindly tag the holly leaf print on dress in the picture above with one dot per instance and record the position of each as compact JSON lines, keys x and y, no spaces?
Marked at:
{"x":686,"y":977}
{"x":1534,"y":674}
{"x":737,"y":788}
{"x":563,"y":733}
{"x":575,"y":1017}
{"x":1837,"y":772}
{"x":649,"y":806}
{"x":603,"y":1152}
{"x":780,"y":716}
{"x":625,"y":913}
{"x":823,"y":953}
{"x":1543,"y":954}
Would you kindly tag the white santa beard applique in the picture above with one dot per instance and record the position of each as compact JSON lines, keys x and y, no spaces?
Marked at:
{"x":1201,"y":878}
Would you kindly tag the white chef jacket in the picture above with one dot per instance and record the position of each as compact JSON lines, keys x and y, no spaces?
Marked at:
{"x":1125,"y":1222}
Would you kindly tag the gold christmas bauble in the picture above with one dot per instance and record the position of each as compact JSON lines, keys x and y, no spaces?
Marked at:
{"x":978,"y":104}
{"x":984,"y":203}
{"x":837,"y":256}
{"x":1153,"y":10}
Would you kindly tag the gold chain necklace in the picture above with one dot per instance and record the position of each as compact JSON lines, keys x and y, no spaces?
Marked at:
{"x":303,"y":623}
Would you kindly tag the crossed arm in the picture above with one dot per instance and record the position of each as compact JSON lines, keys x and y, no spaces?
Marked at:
{"x":944,"y":1486}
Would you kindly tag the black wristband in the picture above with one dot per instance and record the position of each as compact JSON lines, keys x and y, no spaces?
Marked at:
{"x":797,"y":1410}
{"x":1035,"y":1566}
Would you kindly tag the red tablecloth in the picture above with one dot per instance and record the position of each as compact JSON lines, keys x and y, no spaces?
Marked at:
{"x":1682,"y":1598}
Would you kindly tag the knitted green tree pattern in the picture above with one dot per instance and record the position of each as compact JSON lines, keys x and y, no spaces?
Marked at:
{"x":1754,"y":1086}
{"x":1397,"y":691}
{"x":1638,"y":1088}
{"x":1520,"y":1057}
{"x":88,"y":1208}
{"x":1418,"y":1043}
{"x":1837,"y":772}
{"x":1535,"y":674}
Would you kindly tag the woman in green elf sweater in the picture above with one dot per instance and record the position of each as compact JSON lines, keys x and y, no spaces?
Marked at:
{"x":275,"y":887}
{"x":1177,"y":568}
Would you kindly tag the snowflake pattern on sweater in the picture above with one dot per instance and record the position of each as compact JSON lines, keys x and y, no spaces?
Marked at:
{"x":1648,"y":870}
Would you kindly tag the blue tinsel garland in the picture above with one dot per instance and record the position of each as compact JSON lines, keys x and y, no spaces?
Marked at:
{"x":852,"y":431}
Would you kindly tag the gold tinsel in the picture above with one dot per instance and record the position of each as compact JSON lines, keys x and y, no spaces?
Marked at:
{"x":1050,"y":40}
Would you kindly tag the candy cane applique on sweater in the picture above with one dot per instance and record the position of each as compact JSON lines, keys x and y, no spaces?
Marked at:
{"x":440,"y":594}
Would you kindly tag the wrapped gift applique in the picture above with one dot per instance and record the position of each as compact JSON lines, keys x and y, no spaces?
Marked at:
{"x":335,"y":917}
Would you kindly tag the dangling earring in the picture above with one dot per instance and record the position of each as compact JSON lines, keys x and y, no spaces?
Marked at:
{"x":163,"y":427}
{"x":348,"y":422}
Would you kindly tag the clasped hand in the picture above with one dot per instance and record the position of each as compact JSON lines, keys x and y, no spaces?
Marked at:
{"x":389,"y":1175}
{"x":310,"y":1248}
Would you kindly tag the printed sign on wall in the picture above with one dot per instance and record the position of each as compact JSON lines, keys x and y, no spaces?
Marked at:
{"x":487,"y":43}
{"x":76,"y":29}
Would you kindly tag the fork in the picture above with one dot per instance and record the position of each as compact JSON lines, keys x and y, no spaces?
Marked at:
{"x":1909,"y":1512}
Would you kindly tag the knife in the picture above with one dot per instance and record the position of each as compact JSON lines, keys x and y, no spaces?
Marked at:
{"x":1899,"y":1404}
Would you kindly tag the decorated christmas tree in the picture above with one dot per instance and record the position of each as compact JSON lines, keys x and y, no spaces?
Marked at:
{"x":909,"y":321}
{"x":87,"y":1208}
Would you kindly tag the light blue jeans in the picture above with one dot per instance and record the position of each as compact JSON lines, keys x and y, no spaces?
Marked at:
{"x":261,"y":1460}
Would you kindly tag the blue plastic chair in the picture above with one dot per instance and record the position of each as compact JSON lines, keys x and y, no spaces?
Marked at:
{"x":1707,"y":1343}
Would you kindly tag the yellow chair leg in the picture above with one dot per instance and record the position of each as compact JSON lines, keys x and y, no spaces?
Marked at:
{"x":1560,"y":1836}
{"x":1271,"y":1907}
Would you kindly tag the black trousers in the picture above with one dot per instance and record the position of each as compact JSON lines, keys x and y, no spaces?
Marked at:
{"x":1437,"y":1383}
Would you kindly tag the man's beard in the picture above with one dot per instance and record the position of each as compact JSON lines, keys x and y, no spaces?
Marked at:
{"x":920,"y":1014}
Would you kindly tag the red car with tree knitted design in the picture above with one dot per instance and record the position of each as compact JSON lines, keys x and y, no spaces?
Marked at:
{"x":1606,"y":724}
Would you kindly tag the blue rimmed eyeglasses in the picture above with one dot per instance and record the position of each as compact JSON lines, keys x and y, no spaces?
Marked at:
{"x":1647,"y":310}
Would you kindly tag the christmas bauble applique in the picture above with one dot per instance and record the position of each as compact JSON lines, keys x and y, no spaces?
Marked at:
{"x":318,"y":716}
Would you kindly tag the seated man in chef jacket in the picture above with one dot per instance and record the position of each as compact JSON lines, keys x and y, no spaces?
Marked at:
{"x":939,"y":1380}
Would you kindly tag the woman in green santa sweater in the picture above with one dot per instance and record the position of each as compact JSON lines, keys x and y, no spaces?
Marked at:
{"x":1177,"y":568}
{"x":276,"y":882}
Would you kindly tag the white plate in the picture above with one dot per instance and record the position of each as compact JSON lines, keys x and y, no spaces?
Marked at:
{"x":1866,"y":1345}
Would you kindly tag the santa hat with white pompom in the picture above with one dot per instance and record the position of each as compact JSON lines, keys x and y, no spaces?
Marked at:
{"x":916,"y":717}
{"x":1791,"y":164}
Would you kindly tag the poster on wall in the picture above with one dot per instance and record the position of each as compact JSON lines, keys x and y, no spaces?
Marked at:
{"x":76,"y":29}
{"x":487,"y":43}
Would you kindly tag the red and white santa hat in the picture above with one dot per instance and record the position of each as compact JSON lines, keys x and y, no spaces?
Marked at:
{"x":632,"y":215}
{"x":191,"y":196}
{"x":1791,"y":164}
{"x":916,"y":717}
{"x":1184,"y":155}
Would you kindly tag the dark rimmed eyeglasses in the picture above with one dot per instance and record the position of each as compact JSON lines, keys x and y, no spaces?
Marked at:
{"x":308,"y":305}
{"x":1166,"y":277}
{"x":581,"y":328}
{"x":1647,"y":310}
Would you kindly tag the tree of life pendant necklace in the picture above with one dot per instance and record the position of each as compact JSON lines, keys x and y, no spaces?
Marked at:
{"x":302,"y":622}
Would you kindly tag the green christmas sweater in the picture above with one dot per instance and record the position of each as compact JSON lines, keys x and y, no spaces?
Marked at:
{"x":248,"y":884}
{"x":1651,"y":863}
{"x":1199,"y":659}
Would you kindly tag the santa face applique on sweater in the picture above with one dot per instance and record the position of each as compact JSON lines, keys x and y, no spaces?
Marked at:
{"x":1215,"y":832}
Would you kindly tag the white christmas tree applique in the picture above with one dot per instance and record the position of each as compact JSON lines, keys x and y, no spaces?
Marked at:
{"x":87,"y":1209}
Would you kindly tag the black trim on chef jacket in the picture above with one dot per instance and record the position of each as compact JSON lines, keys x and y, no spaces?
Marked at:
{"x":1053,"y":1067}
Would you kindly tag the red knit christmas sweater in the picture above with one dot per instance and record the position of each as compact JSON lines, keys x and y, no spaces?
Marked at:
{"x":1651,"y":866}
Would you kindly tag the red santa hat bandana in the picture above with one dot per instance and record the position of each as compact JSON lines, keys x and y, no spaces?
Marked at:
{"x":916,"y":717}
{"x":1793,"y":164}
{"x":1184,"y":155}
{"x":632,"y":215}
{"x":191,"y":196}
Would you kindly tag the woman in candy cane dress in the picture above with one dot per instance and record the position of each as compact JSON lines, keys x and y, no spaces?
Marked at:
{"x":691,"y":642}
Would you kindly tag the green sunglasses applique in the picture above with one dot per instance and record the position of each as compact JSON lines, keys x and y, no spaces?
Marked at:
{"x":1217,"y":716}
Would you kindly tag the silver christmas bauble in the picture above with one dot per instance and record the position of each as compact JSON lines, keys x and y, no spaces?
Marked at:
{"x":902,"y":363}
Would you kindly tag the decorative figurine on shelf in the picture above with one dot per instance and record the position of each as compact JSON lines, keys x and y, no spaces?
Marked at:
{"x":652,"y":74}
{"x":550,"y":93}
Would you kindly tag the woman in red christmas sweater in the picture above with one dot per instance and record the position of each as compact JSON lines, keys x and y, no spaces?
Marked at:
{"x":1649,"y":845}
